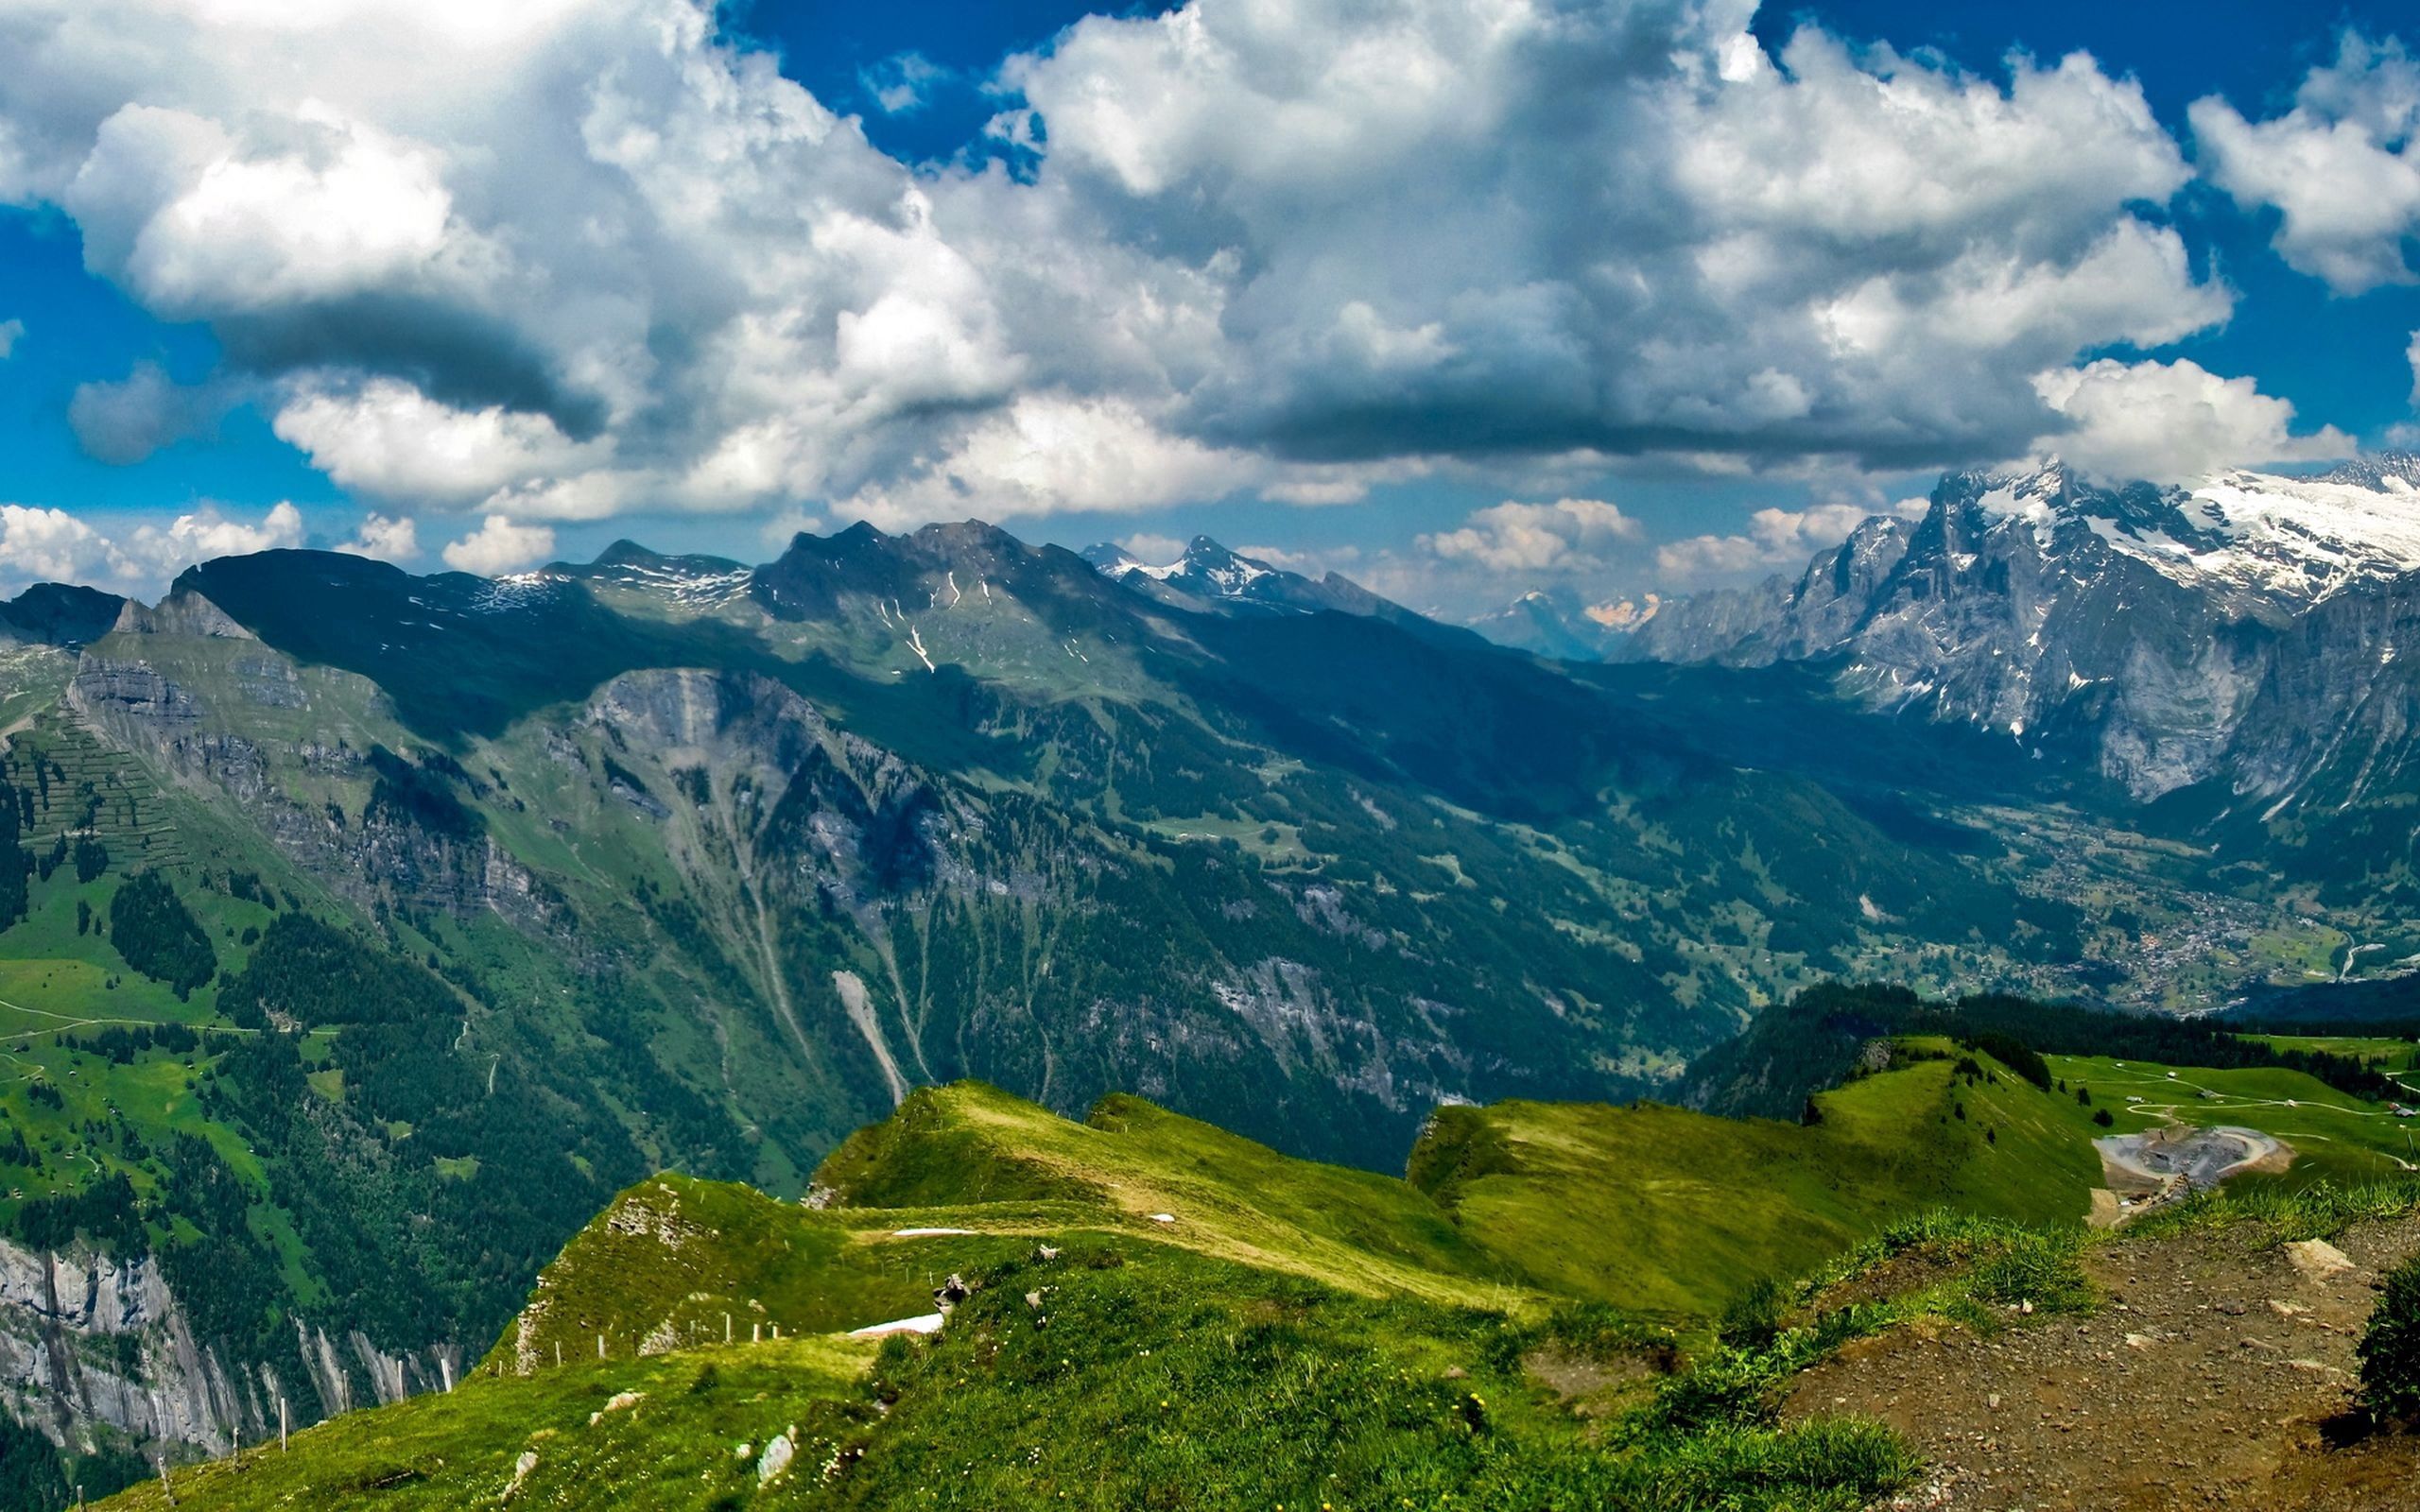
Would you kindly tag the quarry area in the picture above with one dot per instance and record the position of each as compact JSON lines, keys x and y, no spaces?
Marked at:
{"x":2141,"y":1172}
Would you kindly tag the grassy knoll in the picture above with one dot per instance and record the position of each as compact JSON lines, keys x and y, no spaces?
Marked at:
{"x":1661,"y":1209}
{"x":674,"y":1257}
{"x":2334,"y":1136}
{"x":1228,"y":1196}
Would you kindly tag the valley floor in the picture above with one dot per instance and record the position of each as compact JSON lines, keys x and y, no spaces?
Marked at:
{"x":2215,"y":1373}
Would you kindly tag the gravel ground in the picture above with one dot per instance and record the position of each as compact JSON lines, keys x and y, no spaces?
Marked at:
{"x":2215,"y":1374}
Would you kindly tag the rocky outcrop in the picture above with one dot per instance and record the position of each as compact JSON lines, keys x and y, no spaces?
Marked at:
{"x":88,"y":1342}
{"x":92,"y":1344}
{"x":184,"y":613}
{"x":114,"y":692}
{"x":379,"y":857}
{"x":805,"y":810}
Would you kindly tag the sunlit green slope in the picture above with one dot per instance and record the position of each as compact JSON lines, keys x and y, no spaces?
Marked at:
{"x":1660,"y":1208}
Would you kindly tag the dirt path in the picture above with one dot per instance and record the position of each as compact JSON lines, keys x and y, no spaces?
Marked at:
{"x":2206,"y":1381}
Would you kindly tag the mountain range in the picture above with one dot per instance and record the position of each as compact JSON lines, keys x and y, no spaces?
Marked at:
{"x":374,"y":929}
{"x":2234,"y":656}
{"x":363,"y":933}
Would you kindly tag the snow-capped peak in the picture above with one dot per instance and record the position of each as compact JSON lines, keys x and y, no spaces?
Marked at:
{"x":2290,"y":541}
{"x":1205,"y":568}
{"x":2297,"y":538}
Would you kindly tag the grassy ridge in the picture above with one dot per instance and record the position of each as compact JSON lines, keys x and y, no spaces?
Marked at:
{"x":673,"y":1258}
{"x":1296,"y":1334}
{"x":1228,"y":1195}
{"x":1662,"y":1208}
{"x":1511,"y":1207}
{"x":1116,"y":1373}
{"x":2386,"y":1052}
{"x":674,"y":1262}
{"x":1814,"y":1040}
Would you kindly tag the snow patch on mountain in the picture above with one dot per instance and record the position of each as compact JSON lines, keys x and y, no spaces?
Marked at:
{"x":2303,"y":540}
{"x":1207,"y":569}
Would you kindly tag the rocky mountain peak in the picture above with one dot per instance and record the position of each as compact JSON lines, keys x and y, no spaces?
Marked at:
{"x":2387,"y":472}
{"x":1206,"y":567}
{"x":1205,"y":570}
{"x":2156,"y":622}
{"x":690,"y":581}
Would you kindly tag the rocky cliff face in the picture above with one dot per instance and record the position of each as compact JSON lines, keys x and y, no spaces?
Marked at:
{"x":92,"y":1344}
{"x":221,"y":742}
{"x":2180,"y":636}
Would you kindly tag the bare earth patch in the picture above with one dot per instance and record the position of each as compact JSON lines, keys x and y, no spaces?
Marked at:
{"x":2213,"y":1376}
{"x":1592,"y":1384}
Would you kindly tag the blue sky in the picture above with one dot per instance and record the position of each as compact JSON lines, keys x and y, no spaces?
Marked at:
{"x":1217,"y":302}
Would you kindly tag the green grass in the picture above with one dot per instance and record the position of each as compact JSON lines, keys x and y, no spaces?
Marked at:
{"x":2383,"y":1052}
{"x":674,"y":1449}
{"x":1228,"y":1387}
{"x":1301,"y":1335}
{"x":1983,"y":1267}
{"x":47,"y":994}
{"x":152,"y":1098}
{"x":969,"y":1143}
{"x":673,"y":1258}
{"x":2334,"y":1135}
{"x":1119,"y":1373}
{"x":2319,"y":1210}
{"x":1668,"y":1210}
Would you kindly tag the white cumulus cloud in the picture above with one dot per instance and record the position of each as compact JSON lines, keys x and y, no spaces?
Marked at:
{"x":208,"y":533}
{"x":1774,"y":537}
{"x":11,"y":331}
{"x":499,"y":546}
{"x":2170,"y":421}
{"x":387,"y":439}
{"x":2341,"y":167}
{"x":1708,"y":250}
{"x":51,"y":545}
{"x":1146,"y":547}
{"x":133,"y":556}
{"x":571,"y":258}
{"x":1567,"y":535}
{"x":384,"y":537}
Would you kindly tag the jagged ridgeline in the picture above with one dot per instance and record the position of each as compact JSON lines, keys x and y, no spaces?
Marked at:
{"x":481,"y":899}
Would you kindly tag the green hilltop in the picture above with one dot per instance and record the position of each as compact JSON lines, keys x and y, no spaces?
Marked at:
{"x":1548,"y":1313}
{"x":1659,"y":1207}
